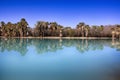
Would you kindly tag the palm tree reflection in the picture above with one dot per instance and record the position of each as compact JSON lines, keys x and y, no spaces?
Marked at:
{"x":116,"y":44}
{"x":53,"y":45}
{"x":19,"y":45}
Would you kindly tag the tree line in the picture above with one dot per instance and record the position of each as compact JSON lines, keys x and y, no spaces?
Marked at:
{"x":53,"y":29}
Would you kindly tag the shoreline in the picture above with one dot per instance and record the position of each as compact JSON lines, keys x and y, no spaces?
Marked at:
{"x":61,"y":37}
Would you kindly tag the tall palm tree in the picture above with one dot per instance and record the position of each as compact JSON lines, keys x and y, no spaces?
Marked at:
{"x":113,"y":33}
{"x":9,"y":29}
{"x":101,"y":28}
{"x":20,"y":29}
{"x":15,"y":31}
{"x":118,"y":31}
{"x":23,"y":24}
{"x":45,"y":28}
{"x":41,"y":28}
{"x":59,"y":30}
{"x":81,"y":28}
{"x":53,"y":28}
{"x":3,"y":28}
{"x":94,"y":30}
{"x":87,"y":28}
{"x":68,"y":30}
{"x":78,"y":28}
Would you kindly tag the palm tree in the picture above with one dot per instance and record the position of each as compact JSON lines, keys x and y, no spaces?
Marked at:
{"x":101,"y":28}
{"x":60,"y":30}
{"x":45,"y":28}
{"x":3,"y":28}
{"x":113,"y":33}
{"x":30,"y":31}
{"x":78,"y":28}
{"x":81,"y":28}
{"x":118,"y":31}
{"x":59,"y":27}
{"x":9,"y":29}
{"x":0,"y":29}
{"x":20,"y":29}
{"x":94,"y":32}
{"x":87,"y":28}
{"x":41,"y":28}
{"x":53,"y":28}
{"x":15,"y":31}
{"x":23,"y":23}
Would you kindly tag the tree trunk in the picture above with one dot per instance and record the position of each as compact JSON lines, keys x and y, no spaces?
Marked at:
{"x":113,"y":36}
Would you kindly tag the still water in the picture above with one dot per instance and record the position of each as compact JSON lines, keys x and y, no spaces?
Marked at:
{"x":59,"y":59}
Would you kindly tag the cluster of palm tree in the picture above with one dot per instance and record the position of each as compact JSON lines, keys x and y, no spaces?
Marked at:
{"x":43,"y":28}
{"x":53,"y":29}
{"x":116,"y":32}
{"x":12,"y":30}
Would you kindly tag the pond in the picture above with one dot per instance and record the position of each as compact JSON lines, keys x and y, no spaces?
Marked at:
{"x":59,"y":59}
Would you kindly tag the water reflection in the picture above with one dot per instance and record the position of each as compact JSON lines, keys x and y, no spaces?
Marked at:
{"x":52,"y":45}
{"x":116,"y":44}
{"x":105,"y":65}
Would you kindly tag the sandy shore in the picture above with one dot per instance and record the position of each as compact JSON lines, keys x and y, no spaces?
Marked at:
{"x":64,"y":37}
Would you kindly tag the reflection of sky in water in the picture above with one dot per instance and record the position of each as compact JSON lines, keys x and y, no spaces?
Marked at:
{"x":66,"y":63}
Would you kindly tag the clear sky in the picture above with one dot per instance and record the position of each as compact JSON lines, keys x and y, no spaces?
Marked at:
{"x":65,"y":12}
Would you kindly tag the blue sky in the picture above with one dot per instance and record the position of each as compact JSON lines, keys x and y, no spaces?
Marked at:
{"x":65,"y":12}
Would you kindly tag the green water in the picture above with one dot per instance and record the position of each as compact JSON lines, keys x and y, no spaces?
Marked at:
{"x":59,"y":59}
